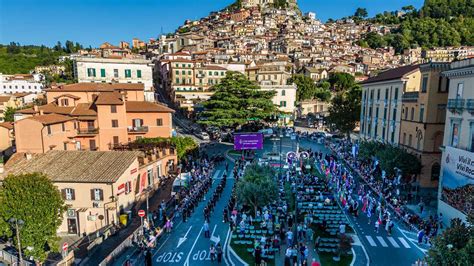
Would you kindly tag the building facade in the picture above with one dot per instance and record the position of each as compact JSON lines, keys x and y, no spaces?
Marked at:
{"x":120,"y":70}
{"x":422,"y":122}
{"x":91,"y":116}
{"x":457,"y":174}
{"x":103,"y":186}
{"x":10,"y":84}
{"x":381,"y":106}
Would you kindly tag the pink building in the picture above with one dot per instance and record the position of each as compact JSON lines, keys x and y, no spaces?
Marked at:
{"x":91,"y":116}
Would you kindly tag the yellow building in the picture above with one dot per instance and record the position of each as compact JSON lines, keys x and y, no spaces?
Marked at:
{"x":422,"y":121}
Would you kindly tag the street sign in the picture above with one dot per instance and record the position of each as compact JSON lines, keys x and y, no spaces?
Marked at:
{"x":65,"y":246}
{"x":141,"y":213}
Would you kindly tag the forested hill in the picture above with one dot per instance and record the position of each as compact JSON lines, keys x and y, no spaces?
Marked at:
{"x":438,"y":23}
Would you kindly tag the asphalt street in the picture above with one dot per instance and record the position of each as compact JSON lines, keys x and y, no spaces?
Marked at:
{"x":186,"y":244}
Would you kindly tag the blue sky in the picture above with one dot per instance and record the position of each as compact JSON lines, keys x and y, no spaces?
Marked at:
{"x":92,"y":22}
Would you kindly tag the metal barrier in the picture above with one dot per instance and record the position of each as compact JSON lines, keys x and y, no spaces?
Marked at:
{"x":11,"y":259}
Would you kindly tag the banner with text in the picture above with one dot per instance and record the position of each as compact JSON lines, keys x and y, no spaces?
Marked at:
{"x":458,"y":178}
{"x":248,"y":141}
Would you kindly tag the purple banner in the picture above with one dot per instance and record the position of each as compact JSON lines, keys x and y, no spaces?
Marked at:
{"x":248,"y":141}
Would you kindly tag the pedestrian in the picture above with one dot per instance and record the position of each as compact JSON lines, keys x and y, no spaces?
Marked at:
{"x":420,"y":236}
{"x":289,"y":237}
{"x":205,"y":227}
{"x":288,"y":256}
{"x":212,"y":252}
{"x":219,"y":253}
{"x":258,"y":255}
{"x":377,"y":225}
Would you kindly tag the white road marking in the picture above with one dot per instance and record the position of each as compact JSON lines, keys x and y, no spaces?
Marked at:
{"x":186,"y":263}
{"x":371,"y":241}
{"x":393,"y":242}
{"x":384,"y":244}
{"x":404,"y":242}
{"x":184,"y":238}
{"x":224,"y":254}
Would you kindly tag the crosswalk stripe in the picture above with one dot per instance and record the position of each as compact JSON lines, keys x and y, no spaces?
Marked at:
{"x":384,"y":244}
{"x":404,"y":242}
{"x":371,"y":241}
{"x":393,"y":242}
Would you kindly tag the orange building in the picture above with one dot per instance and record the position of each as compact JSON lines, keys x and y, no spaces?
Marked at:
{"x":90,"y":116}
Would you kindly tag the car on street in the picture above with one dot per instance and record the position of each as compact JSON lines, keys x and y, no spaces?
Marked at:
{"x":203,"y":136}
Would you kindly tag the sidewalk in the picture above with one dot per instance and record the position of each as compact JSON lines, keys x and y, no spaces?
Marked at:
{"x":99,"y":253}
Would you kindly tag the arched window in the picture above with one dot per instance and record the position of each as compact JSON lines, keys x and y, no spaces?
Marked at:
{"x":435,"y":170}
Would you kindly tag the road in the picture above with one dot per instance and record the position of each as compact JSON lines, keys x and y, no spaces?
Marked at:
{"x":186,"y":245}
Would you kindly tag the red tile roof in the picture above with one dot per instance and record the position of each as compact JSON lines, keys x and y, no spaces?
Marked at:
{"x":396,"y":73}
{"x":146,"y":107}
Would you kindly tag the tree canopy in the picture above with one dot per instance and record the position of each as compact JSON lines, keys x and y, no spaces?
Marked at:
{"x":257,"y":187}
{"x":21,"y":59}
{"x":34,"y":199}
{"x":455,"y":246}
{"x":438,"y":23}
{"x":361,"y":13}
{"x":184,"y":145}
{"x":9,"y":114}
{"x":308,"y":89}
{"x":236,"y":101}
{"x":345,"y":107}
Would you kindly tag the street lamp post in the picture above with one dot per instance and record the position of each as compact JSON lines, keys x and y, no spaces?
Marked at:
{"x":17,"y":223}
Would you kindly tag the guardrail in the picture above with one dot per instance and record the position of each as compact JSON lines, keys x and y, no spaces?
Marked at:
{"x":12,"y":259}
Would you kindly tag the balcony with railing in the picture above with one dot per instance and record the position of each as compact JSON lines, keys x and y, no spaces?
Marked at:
{"x":410,"y":96}
{"x":87,"y":131}
{"x":456,"y":105}
{"x":470,"y":106}
{"x":137,"y":130}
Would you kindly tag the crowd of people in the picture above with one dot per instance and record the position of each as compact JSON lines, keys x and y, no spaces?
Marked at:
{"x":379,"y":197}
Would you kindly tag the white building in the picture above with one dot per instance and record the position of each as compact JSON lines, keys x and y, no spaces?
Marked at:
{"x":284,"y":98}
{"x":381,"y":105}
{"x":21,"y":83}
{"x":457,"y":163}
{"x":123,"y":70}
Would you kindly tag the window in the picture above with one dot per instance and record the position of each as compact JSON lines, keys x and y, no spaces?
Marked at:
{"x":149,"y":175}
{"x":97,"y":194}
{"x":435,"y":171}
{"x":91,"y":72}
{"x":114,"y":123}
{"x":222,"y":73}
{"x":455,"y":135}
{"x":396,"y":95}
{"x":116,"y":140}
{"x":137,"y":122}
{"x":102,"y":72}
{"x":282,"y":103}
{"x":177,"y":72}
{"x":383,"y":133}
{"x":394,"y":114}
{"x":412,"y":114}
{"x":283,"y":93}
{"x":49,"y":129}
{"x":68,"y":194}
{"x":92,"y":145}
{"x":189,"y":72}
{"x":159,"y":122}
{"x":63,"y":127}
{"x":177,"y":80}
{"x":418,"y":144}
{"x":459,"y":90}
{"x":64,"y":102}
{"x":116,"y":73}
{"x":210,"y":73}
{"x":386,"y":94}
{"x":409,"y":140}
{"x":113,"y":109}
{"x":424,"y":83}
{"x":128,"y":73}
{"x":183,"y":72}
{"x":406,"y":113}
{"x":404,"y":138}
{"x":422,"y":112}
{"x":65,"y":146}
{"x":378,"y":94}
{"x":385,"y":113}
{"x":128,"y":187}
{"x":139,"y":73}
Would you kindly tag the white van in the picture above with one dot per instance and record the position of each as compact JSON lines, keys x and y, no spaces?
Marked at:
{"x":267,"y":132}
{"x":181,"y":181}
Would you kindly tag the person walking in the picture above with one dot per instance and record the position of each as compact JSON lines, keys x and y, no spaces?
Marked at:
{"x":212,"y":252}
{"x":219,"y":253}
{"x":205,"y":227}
